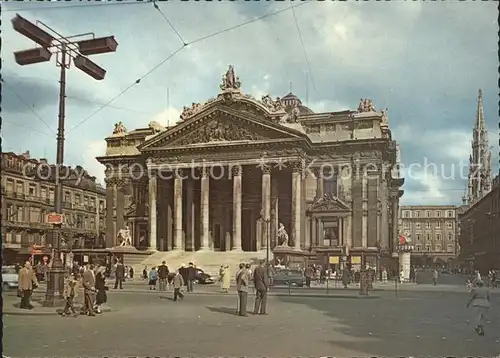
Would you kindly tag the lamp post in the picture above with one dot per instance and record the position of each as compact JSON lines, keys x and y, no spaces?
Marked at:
{"x":66,"y":49}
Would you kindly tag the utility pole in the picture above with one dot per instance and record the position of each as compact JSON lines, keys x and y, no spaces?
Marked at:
{"x":67,"y":50}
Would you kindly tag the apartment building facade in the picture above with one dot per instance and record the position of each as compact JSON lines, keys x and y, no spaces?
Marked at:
{"x":433,"y":232}
{"x":28,"y":187}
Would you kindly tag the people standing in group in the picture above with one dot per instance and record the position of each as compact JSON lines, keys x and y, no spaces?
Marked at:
{"x":242,"y":280}
{"x":70,"y":293}
{"x":119,"y":275}
{"x":481,"y":301}
{"x":178,"y":282}
{"x":492,"y":278}
{"x":191,"y":276}
{"x":163,"y":276}
{"x":435,"y":276}
{"x":153,"y":278}
{"x":27,"y":282}
{"x":261,"y":284}
{"x":101,"y":288}
{"x":88,"y":283}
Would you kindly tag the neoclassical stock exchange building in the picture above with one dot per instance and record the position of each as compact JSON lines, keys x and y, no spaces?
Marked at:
{"x":236,"y":168}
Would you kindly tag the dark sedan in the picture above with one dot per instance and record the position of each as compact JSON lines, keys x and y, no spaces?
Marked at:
{"x":289,"y":277}
{"x":203,"y":278}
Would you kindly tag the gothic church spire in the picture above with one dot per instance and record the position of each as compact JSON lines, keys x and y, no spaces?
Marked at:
{"x":479,"y":182}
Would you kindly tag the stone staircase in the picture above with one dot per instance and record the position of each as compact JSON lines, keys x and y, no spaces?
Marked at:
{"x":208,"y":261}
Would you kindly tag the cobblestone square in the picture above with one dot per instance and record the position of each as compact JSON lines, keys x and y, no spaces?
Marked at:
{"x":415,"y":324}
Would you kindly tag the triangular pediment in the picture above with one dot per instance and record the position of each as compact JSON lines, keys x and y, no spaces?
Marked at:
{"x":221,"y":126}
{"x":329,"y":203}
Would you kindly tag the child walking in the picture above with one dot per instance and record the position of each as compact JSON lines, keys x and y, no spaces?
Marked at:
{"x":153,"y":277}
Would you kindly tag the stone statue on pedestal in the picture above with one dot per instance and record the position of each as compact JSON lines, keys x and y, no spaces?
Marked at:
{"x":124,"y":237}
{"x":282,"y":236}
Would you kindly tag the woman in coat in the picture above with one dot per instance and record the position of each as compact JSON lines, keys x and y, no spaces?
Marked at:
{"x":481,"y":302}
{"x":100,"y":286}
{"x":226,"y":279}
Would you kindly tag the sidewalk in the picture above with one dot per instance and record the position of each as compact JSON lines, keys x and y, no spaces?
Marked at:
{"x":11,"y":306}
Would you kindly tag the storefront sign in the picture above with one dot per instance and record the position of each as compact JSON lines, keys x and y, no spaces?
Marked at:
{"x":355,"y":260}
{"x":333,"y":260}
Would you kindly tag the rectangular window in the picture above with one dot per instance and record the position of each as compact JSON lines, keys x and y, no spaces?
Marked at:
{"x":418,"y":237}
{"x":406,"y":225}
{"x":77,"y":199}
{"x":32,"y":190}
{"x":450,"y":248}
{"x":449,"y":225}
{"x":418,"y":247}
{"x":427,"y":247}
{"x":438,"y":237}
{"x":330,"y":184}
{"x":406,"y":214}
{"x":417,"y":213}
{"x":43,"y":192}
{"x":20,"y":187}
{"x":438,"y":248}
{"x":438,"y":213}
{"x":427,"y":225}
{"x":428,"y":237}
{"x":429,"y":214}
{"x":449,"y":214}
{"x":450,"y":236}
{"x":417,"y":225}
{"x":20,"y":214}
{"x":10,"y":185}
{"x":438,"y":225}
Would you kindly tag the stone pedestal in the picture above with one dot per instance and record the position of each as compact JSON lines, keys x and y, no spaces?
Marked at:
{"x":404,"y":266}
{"x":289,"y":256}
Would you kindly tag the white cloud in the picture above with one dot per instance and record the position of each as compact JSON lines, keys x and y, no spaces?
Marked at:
{"x":167,"y":117}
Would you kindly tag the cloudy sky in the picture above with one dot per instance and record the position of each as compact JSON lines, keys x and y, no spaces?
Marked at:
{"x":425,"y":61}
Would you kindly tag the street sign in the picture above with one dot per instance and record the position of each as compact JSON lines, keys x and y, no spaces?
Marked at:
{"x":54,"y":219}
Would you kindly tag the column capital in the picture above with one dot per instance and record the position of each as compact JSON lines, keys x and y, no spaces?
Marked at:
{"x":120,"y":182}
{"x":297,"y":167}
{"x":153,"y":173}
{"x":236,"y":170}
{"x":179,"y":174}
{"x":204,"y":172}
{"x":266,"y":169}
{"x":109,"y":181}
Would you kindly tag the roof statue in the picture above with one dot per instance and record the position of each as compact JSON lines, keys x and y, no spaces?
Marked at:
{"x":190,"y":111}
{"x":230,"y":81}
{"x":366,"y":105}
{"x":273,"y":105}
{"x":119,"y":129}
{"x":156,"y":127}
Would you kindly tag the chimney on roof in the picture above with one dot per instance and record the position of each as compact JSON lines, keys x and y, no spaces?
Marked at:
{"x":26,"y":154}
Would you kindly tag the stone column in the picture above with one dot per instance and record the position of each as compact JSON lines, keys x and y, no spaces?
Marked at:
{"x":120,"y":204}
{"x":395,"y":209}
{"x":190,"y":233}
{"x":274,"y":211}
{"x":384,"y":217}
{"x":319,"y":183}
{"x":296,"y":207}
{"x":237,"y":188}
{"x":314,"y":232}
{"x":307,"y":244}
{"x":110,"y":202}
{"x":178,"y":209}
{"x":266,"y":206}
{"x":204,"y":209}
{"x":152,"y":218}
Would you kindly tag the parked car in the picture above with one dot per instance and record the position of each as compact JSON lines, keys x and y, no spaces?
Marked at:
{"x":286,"y":277}
{"x":203,"y":278}
{"x":9,"y":278}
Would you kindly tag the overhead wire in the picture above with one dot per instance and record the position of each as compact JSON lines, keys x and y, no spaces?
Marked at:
{"x":308,"y":64}
{"x":217,"y":33}
{"x":110,"y":105}
{"x":25,"y":127}
{"x":169,"y":23}
{"x":29,"y":107}
{"x":94,"y":4}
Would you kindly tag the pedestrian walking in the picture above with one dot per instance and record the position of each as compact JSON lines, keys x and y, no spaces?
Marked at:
{"x":70,"y":293}
{"x":309,"y":275}
{"x":163,"y":276}
{"x":191,"y":276}
{"x":178,"y":282}
{"x":88,"y":282}
{"x":27,"y":282}
{"x":435,"y":276}
{"x":261,"y":284}
{"x":119,"y":275}
{"x":480,"y":300}
{"x":153,"y":277}
{"x":145,"y":273}
{"x":101,"y":288}
{"x":242,"y":288}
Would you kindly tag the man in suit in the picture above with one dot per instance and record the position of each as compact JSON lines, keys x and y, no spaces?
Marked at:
{"x":178,"y":282}
{"x":163,"y":276}
{"x":191,"y":276}
{"x":261,"y":283}
{"x":242,"y":288}
{"x":119,"y":275}
{"x":88,"y":283}
{"x":27,"y":283}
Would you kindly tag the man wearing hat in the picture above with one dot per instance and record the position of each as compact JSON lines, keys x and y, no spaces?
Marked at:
{"x":163,"y":276}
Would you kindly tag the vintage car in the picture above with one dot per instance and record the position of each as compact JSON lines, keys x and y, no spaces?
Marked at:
{"x":289,"y":277}
{"x":9,"y":278}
